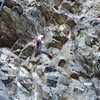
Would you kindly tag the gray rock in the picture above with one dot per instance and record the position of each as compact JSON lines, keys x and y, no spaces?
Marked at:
{"x":55,"y":44}
{"x":50,"y":69}
{"x":70,"y":69}
{"x":7,"y":79}
{"x":26,"y":83}
{"x":3,"y":92}
{"x":16,"y":62}
{"x":27,"y":51}
{"x":18,"y":46}
{"x":64,"y":80}
{"x":1,"y":4}
{"x":27,"y":65}
{"x":10,"y":20}
{"x":12,"y":88}
{"x":62,"y":62}
{"x":34,"y":60}
{"x":51,"y":81}
{"x":22,"y":93}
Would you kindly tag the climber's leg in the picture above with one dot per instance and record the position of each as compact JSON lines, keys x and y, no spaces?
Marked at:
{"x":38,"y":48}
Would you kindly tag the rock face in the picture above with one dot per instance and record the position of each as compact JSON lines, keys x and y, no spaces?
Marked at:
{"x":68,"y":67}
{"x":14,"y":24}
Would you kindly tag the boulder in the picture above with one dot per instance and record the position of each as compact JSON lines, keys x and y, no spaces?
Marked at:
{"x":7,"y":79}
{"x":52,"y":81}
{"x":3,"y":93}
{"x":28,"y":66}
{"x":50,"y":69}
{"x":22,"y":93}
{"x":71,"y":22}
{"x":18,"y":46}
{"x":38,"y":93}
{"x":40,"y":70}
{"x":59,"y":18}
{"x":7,"y":21}
{"x":57,"y":38}
{"x":75,"y":76}
{"x":26,"y":83}
{"x":27,"y":86}
{"x":55,"y":44}
{"x":64,"y":91}
{"x":13,"y":26}
{"x":27,"y":51}
{"x":63,"y":39}
{"x":62,"y":62}
{"x":34,"y":60}
{"x":53,"y":17}
{"x":10,"y":3}
{"x":67,"y":7}
{"x":45,"y":59}
{"x":12,"y":88}
{"x":23,"y":74}
{"x":15,"y":62}
{"x":1,"y":4}
{"x":64,"y":80}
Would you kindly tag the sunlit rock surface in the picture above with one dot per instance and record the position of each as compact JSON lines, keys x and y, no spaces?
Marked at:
{"x":69,"y":65}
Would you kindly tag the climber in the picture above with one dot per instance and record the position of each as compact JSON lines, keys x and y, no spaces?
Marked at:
{"x":1,"y":4}
{"x":38,"y":44}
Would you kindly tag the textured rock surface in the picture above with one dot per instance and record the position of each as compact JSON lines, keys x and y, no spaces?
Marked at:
{"x":69,"y":65}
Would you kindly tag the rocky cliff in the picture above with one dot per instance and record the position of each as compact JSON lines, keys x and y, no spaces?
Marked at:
{"x":69,"y":65}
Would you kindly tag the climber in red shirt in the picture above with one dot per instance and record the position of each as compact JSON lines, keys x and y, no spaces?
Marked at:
{"x":38,"y":44}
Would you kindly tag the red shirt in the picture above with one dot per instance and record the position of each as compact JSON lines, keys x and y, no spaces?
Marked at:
{"x":35,"y":40}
